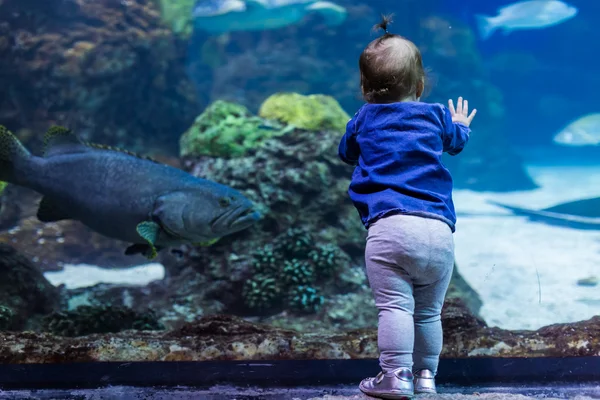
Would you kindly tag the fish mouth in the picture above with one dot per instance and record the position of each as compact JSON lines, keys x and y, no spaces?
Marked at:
{"x":237,"y":219}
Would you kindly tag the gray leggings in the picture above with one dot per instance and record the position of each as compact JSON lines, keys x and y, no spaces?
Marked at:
{"x":409,"y":265}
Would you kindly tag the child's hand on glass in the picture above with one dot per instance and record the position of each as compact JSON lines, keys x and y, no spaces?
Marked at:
{"x":461,"y":114}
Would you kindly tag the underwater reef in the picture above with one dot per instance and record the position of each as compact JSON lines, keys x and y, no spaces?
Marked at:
{"x":221,"y":337}
{"x":300,"y":266}
{"x":108,"y":69}
{"x":306,"y":254}
{"x":128,"y":74}
{"x":25,"y":294}
{"x":247,"y":68}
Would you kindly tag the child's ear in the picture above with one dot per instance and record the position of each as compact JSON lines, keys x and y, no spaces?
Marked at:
{"x":420,"y":88}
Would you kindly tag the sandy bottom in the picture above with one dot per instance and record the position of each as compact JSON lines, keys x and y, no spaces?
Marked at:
{"x":75,"y":276}
{"x":526,"y":273}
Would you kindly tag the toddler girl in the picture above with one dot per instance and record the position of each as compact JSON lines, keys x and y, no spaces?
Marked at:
{"x":403,"y":194}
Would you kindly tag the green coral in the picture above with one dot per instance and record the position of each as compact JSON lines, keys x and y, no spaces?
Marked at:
{"x":177,"y":14}
{"x":261,"y":292}
{"x":266,"y":260}
{"x":6,"y":318}
{"x":86,"y":320}
{"x":2,"y":186}
{"x":227,"y":129}
{"x":297,"y":272}
{"x":327,"y":259}
{"x":305,"y":299}
{"x":286,"y":271}
{"x":313,"y":112}
{"x":295,"y":242}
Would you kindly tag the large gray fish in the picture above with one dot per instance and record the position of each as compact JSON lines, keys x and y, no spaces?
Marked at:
{"x":123,"y":196}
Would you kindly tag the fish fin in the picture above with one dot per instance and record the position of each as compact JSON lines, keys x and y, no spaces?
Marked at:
{"x":111,"y":148}
{"x":149,"y":232}
{"x":12,"y":154}
{"x":60,"y":140}
{"x":48,"y":211}
{"x":207,"y":243}
{"x":485,"y":25}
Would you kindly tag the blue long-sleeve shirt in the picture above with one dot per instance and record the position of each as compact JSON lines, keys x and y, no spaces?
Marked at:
{"x":396,"y":149}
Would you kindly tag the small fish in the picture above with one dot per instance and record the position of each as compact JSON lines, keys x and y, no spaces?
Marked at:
{"x":529,"y":14}
{"x":217,"y":17}
{"x":584,"y":131}
{"x":123,"y":196}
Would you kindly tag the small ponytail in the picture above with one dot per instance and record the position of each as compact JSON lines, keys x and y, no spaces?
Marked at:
{"x":385,"y":21}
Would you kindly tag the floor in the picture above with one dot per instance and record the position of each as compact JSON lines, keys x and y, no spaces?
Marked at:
{"x":579,"y":392}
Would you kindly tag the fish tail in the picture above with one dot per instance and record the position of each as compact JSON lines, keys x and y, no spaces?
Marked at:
{"x":13,"y":156}
{"x":486,"y":26}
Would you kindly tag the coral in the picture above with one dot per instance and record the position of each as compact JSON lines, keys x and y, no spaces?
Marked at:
{"x":86,"y":320}
{"x":6,"y":318}
{"x":297,"y":272}
{"x":107,"y":69}
{"x":24,"y":289}
{"x":300,"y":185}
{"x":298,"y":59}
{"x":295,"y":242}
{"x":309,"y":57}
{"x":226,"y":130}
{"x":174,"y":300}
{"x":266,"y":260}
{"x":285,"y":274}
{"x":314,"y":112}
{"x":221,"y":337}
{"x":305,"y":299}
{"x":261,"y":292}
{"x":177,"y":14}
{"x":327,"y":260}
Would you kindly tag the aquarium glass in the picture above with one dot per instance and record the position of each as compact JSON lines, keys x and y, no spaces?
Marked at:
{"x":171,"y":171}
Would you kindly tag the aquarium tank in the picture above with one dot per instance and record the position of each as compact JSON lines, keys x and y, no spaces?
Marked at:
{"x":172,"y":190}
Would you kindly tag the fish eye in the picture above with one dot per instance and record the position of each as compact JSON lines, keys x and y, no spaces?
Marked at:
{"x":224,"y":201}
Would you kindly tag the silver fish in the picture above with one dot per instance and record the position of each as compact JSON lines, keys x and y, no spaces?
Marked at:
{"x":584,"y":131}
{"x":530,"y":14}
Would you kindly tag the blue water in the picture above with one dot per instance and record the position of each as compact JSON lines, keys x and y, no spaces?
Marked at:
{"x":566,"y":56}
{"x":548,"y":77}
{"x":521,"y":271}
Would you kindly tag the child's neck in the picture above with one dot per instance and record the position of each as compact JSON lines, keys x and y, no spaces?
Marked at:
{"x":403,"y":100}
{"x":410,"y":98}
